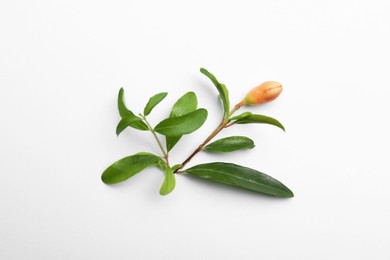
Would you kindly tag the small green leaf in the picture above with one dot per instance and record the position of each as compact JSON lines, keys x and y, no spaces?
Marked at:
{"x":128,"y":167}
{"x":132,"y":121}
{"x":184,"y":105}
{"x":230,"y":144}
{"x":222,"y":90}
{"x":183,"y":124}
{"x":260,"y":119}
{"x":153,"y":101}
{"x":240,"y":116}
{"x":240,"y":176}
{"x":125,"y":122}
{"x":169,"y":182}
{"x":123,"y":110}
{"x":128,"y":116}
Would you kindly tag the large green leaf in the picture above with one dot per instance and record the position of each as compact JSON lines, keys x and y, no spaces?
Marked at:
{"x":242,"y":177}
{"x":169,"y":182}
{"x":128,"y":116}
{"x":184,"y":105}
{"x":230,"y":144}
{"x":153,"y":101}
{"x":223,"y":92}
{"x":128,"y":166}
{"x":183,"y":124}
{"x":260,"y":119}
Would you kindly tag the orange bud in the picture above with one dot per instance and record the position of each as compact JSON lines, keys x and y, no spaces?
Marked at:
{"x":263,"y":93}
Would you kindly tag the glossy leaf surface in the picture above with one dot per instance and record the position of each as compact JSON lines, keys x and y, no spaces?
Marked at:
{"x":230,"y":144}
{"x":169,"y":182}
{"x":153,"y":101}
{"x":222,"y":90}
{"x":260,"y":119}
{"x":240,"y":176}
{"x":128,"y":166}
{"x":183,"y":124}
{"x":184,"y":105}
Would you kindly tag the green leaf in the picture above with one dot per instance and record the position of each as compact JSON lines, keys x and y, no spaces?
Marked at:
{"x":134,"y":122}
{"x":169,"y":182}
{"x":230,"y":144}
{"x":184,"y":105}
{"x":223,"y":92}
{"x":128,"y":116}
{"x":240,"y":176}
{"x":123,"y":111}
{"x":125,"y":122}
{"x":260,"y":119}
{"x":153,"y":101}
{"x":240,"y":116}
{"x":128,"y":166}
{"x":183,"y":124}
{"x":171,"y":141}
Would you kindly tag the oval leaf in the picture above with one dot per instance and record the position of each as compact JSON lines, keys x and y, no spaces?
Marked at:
{"x":222,"y":90}
{"x":260,"y":119}
{"x":128,"y":166}
{"x":153,"y":101}
{"x":242,"y":177}
{"x":169,"y":182}
{"x":184,"y":105}
{"x":183,"y":124}
{"x":230,"y":144}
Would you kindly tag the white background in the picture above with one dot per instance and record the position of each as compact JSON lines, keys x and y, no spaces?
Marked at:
{"x":63,"y":62}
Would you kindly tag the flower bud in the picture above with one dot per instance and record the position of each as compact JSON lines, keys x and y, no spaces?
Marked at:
{"x":263,"y":93}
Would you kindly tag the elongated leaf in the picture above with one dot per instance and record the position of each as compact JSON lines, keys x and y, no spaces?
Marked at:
{"x":153,"y":101}
{"x":184,"y":105}
{"x":230,"y":144}
{"x":183,"y":124}
{"x":125,"y":122}
{"x":260,"y":119}
{"x":223,"y":92}
{"x":240,"y":176}
{"x":240,"y":116}
{"x":123,"y":110}
{"x":128,"y":166}
{"x":126,"y":114}
{"x":132,"y":121}
{"x":169,"y":182}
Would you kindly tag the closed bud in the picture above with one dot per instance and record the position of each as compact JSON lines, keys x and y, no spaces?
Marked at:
{"x":263,"y":93}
